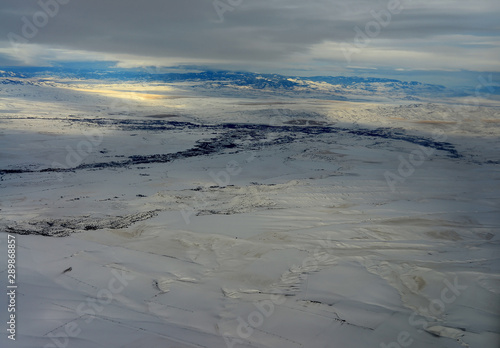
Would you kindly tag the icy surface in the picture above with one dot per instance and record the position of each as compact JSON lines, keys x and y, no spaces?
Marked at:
{"x":233,"y":222}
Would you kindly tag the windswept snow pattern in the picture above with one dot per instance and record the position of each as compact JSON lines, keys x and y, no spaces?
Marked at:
{"x":165,"y":217}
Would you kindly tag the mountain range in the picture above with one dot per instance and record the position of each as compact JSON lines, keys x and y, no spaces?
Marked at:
{"x":240,"y":83}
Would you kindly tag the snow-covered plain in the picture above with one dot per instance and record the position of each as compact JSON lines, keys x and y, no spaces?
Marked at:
{"x":195,"y":221}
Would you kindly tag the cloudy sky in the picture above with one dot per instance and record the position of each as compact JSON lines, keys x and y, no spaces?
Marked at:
{"x":295,"y":37}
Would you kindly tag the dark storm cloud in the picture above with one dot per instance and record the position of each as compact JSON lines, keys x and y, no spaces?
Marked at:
{"x":256,"y":31}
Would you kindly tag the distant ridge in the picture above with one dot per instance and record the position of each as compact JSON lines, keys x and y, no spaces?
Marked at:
{"x":231,"y":82}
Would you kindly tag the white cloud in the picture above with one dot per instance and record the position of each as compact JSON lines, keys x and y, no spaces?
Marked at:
{"x":262,"y":34}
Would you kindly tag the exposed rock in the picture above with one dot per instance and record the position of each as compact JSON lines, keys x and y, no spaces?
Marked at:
{"x":64,"y":227}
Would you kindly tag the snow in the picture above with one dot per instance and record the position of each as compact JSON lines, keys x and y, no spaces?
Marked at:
{"x":289,"y":238}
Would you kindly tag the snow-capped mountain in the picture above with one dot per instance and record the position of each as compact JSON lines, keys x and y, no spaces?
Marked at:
{"x":247,"y":83}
